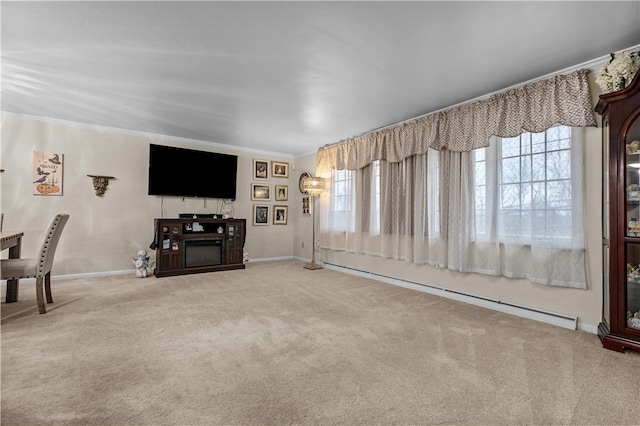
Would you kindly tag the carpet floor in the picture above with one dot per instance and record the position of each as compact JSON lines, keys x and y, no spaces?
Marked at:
{"x":277,"y":344}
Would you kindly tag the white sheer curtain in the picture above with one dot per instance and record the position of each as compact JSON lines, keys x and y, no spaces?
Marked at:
{"x":393,"y":210}
{"x":448,"y":192}
{"x":512,"y":209}
{"x":529,"y":215}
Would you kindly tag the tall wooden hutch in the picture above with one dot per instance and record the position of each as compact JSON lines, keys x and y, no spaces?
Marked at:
{"x":620,"y":110}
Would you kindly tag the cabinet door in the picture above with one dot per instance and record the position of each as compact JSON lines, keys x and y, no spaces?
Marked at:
{"x":606,"y":222}
{"x":170,"y":246}
{"x":236,"y":237}
{"x":629,"y":292}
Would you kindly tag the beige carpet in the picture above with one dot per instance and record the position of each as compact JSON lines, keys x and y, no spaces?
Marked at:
{"x":278,"y":344}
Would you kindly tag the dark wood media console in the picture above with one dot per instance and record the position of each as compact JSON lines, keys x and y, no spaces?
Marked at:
{"x":191,"y":246}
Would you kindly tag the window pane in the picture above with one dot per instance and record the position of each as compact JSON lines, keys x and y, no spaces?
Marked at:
{"x":510,"y":147}
{"x":511,"y":170}
{"x":525,"y":168}
{"x":552,"y":134}
{"x":558,"y":194}
{"x":525,"y":196}
{"x":538,"y":195}
{"x":481,"y":199}
{"x":481,"y":173}
{"x":538,"y":168}
{"x":510,"y":196}
{"x":559,"y":165}
{"x":537,"y":142}
{"x":510,"y":222}
{"x":525,"y":143}
{"x":534,"y":186}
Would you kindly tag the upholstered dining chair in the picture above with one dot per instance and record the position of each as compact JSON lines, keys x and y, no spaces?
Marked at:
{"x":39,"y":268}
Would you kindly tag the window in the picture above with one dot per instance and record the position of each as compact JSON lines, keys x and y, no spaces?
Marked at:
{"x":530,"y":176}
{"x":375,"y":198}
{"x":342,"y":200}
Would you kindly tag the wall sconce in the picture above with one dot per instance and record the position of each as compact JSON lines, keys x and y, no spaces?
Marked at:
{"x":100,"y":183}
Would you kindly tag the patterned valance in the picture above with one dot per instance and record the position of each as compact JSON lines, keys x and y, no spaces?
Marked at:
{"x":534,"y":107}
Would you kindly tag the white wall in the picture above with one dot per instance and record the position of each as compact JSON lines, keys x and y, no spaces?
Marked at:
{"x":104,"y":233}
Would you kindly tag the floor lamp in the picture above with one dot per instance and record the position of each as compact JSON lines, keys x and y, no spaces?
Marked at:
{"x":314,"y":187}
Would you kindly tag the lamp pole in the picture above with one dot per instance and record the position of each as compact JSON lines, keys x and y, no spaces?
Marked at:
{"x":314,"y":187}
{"x":313,"y":265}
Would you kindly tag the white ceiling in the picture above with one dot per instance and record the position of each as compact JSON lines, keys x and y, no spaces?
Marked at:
{"x":286,"y":77}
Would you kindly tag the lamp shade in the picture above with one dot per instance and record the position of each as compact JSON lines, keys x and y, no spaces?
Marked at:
{"x":313,"y":185}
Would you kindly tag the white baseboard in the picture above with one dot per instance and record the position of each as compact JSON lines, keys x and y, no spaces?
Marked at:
{"x":561,"y":320}
{"x":270,"y":259}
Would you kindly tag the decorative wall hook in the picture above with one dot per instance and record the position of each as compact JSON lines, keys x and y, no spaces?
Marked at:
{"x":100,"y":183}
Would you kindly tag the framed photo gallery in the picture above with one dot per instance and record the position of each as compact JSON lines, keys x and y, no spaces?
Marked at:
{"x":262,"y":191}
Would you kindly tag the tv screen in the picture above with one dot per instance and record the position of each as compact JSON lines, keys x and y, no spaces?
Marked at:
{"x":190,"y":173}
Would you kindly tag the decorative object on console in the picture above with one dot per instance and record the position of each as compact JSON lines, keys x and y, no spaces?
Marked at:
{"x":47,"y":173}
{"x":314,"y":187}
{"x":279,"y":169}
{"x":100,"y":183}
{"x":227,"y":209}
{"x":619,"y":72}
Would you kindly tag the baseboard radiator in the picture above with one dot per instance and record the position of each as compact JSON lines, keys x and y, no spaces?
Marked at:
{"x":548,"y":317}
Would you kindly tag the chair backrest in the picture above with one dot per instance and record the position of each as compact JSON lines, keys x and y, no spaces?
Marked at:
{"x":50,"y":242}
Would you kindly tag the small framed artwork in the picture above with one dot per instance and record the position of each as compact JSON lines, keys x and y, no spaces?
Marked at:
{"x":282,"y":193}
{"x":279,"y":169}
{"x":280,"y":215}
{"x":260,"y":169}
{"x":47,"y":173}
{"x":260,"y":191}
{"x":306,"y":205}
{"x":260,"y":215}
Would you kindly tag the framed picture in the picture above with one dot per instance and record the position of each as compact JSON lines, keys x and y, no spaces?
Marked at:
{"x":279,"y":169}
{"x":260,"y":191}
{"x":47,"y":173}
{"x":260,"y":169}
{"x":260,"y":215}
{"x":282,"y":193}
{"x":306,"y":205}
{"x":280,"y":215}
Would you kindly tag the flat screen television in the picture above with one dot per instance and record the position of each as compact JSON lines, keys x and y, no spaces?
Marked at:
{"x":191,"y":173}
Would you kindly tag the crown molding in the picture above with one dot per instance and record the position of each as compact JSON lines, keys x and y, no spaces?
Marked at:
{"x":147,"y":135}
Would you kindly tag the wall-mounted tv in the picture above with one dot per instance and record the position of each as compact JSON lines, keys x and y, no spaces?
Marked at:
{"x":191,"y":173}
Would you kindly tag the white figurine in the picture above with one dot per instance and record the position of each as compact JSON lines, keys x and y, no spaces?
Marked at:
{"x":141,"y":261}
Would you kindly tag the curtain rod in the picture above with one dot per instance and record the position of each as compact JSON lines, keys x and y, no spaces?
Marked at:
{"x":591,"y":65}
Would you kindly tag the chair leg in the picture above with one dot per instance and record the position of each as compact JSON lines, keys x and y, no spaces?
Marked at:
{"x":47,"y":287}
{"x":40,"y":295}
